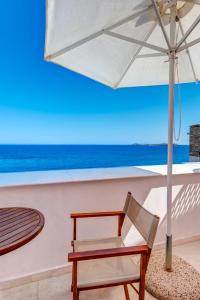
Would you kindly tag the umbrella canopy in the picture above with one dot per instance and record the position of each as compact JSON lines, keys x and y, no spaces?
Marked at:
{"x":127,"y":43}
{"x":120,"y":42}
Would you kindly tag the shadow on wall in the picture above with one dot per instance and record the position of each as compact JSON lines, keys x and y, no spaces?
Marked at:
{"x":185,"y":212}
{"x":187,"y":200}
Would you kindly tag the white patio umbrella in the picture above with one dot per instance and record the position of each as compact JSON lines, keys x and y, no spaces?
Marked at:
{"x":127,"y":43}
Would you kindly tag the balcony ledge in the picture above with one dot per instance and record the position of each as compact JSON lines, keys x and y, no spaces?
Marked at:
{"x":81,"y":175}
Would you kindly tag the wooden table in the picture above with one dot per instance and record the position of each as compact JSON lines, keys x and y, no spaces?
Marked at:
{"x":18,"y":226}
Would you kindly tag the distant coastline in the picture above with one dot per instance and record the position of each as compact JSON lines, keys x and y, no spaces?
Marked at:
{"x":133,"y":144}
{"x":160,"y":144}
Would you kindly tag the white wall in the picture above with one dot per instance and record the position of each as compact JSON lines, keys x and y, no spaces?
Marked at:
{"x":49,"y":249}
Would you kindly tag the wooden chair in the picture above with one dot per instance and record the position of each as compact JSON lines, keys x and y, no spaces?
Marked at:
{"x":107,"y":262}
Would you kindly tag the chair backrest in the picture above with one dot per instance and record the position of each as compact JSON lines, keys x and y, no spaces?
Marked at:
{"x":145,"y":222}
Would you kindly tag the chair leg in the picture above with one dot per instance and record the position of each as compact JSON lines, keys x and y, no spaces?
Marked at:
{"x":126,"y":292}
{"x":143,"y":268}
{"x":75,"y":294}
{"x":74,"y":280}
{"x":142,"y":290}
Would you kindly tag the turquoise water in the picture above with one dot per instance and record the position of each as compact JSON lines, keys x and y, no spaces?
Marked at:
{"x":19,"y":158}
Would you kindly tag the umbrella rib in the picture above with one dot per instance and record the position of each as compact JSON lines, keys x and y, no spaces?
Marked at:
{"x":136,"y":55}
{"x":197,"y":2}
{"x":96,"y":34}
{"x":135,"y":41}
{"x":188,"y":32}
{"x":188,"y":53}
{"x":151,"y":55}
{"x":193,"y":43}
{"x":161,"y":23}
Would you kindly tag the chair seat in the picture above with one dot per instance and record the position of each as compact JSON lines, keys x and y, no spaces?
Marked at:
{"x":103,"y":271}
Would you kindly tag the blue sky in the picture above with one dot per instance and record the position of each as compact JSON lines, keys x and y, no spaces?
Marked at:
{"x":46,"y":104}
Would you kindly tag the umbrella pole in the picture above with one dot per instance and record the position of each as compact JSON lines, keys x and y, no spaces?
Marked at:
{"x":169,"y":165}
{"x":172,"y":57}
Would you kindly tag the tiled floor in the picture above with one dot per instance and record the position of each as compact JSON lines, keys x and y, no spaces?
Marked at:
{"x":58,"y":288}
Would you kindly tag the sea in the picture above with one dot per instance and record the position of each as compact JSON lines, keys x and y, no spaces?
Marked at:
{"x":22,"y":158}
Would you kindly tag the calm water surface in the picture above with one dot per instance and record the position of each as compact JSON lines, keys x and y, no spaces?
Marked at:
{"x":19,"y":158}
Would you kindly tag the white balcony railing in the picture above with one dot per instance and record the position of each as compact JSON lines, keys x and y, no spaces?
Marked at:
{"x":57,"y":193}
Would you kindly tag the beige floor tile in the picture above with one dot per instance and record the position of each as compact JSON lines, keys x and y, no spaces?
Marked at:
{"x":58,"y":288}
{"x":116,"y":293}
{"x":190,"y":252}
{"x":55,"y":288}
{"x":23,"y":292}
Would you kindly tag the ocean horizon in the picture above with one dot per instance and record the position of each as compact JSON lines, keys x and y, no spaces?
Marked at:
{"x":22,"y":158}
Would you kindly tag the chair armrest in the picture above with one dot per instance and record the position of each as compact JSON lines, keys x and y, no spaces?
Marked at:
{"x":106,"y":253}
{"x":78,"y":215}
